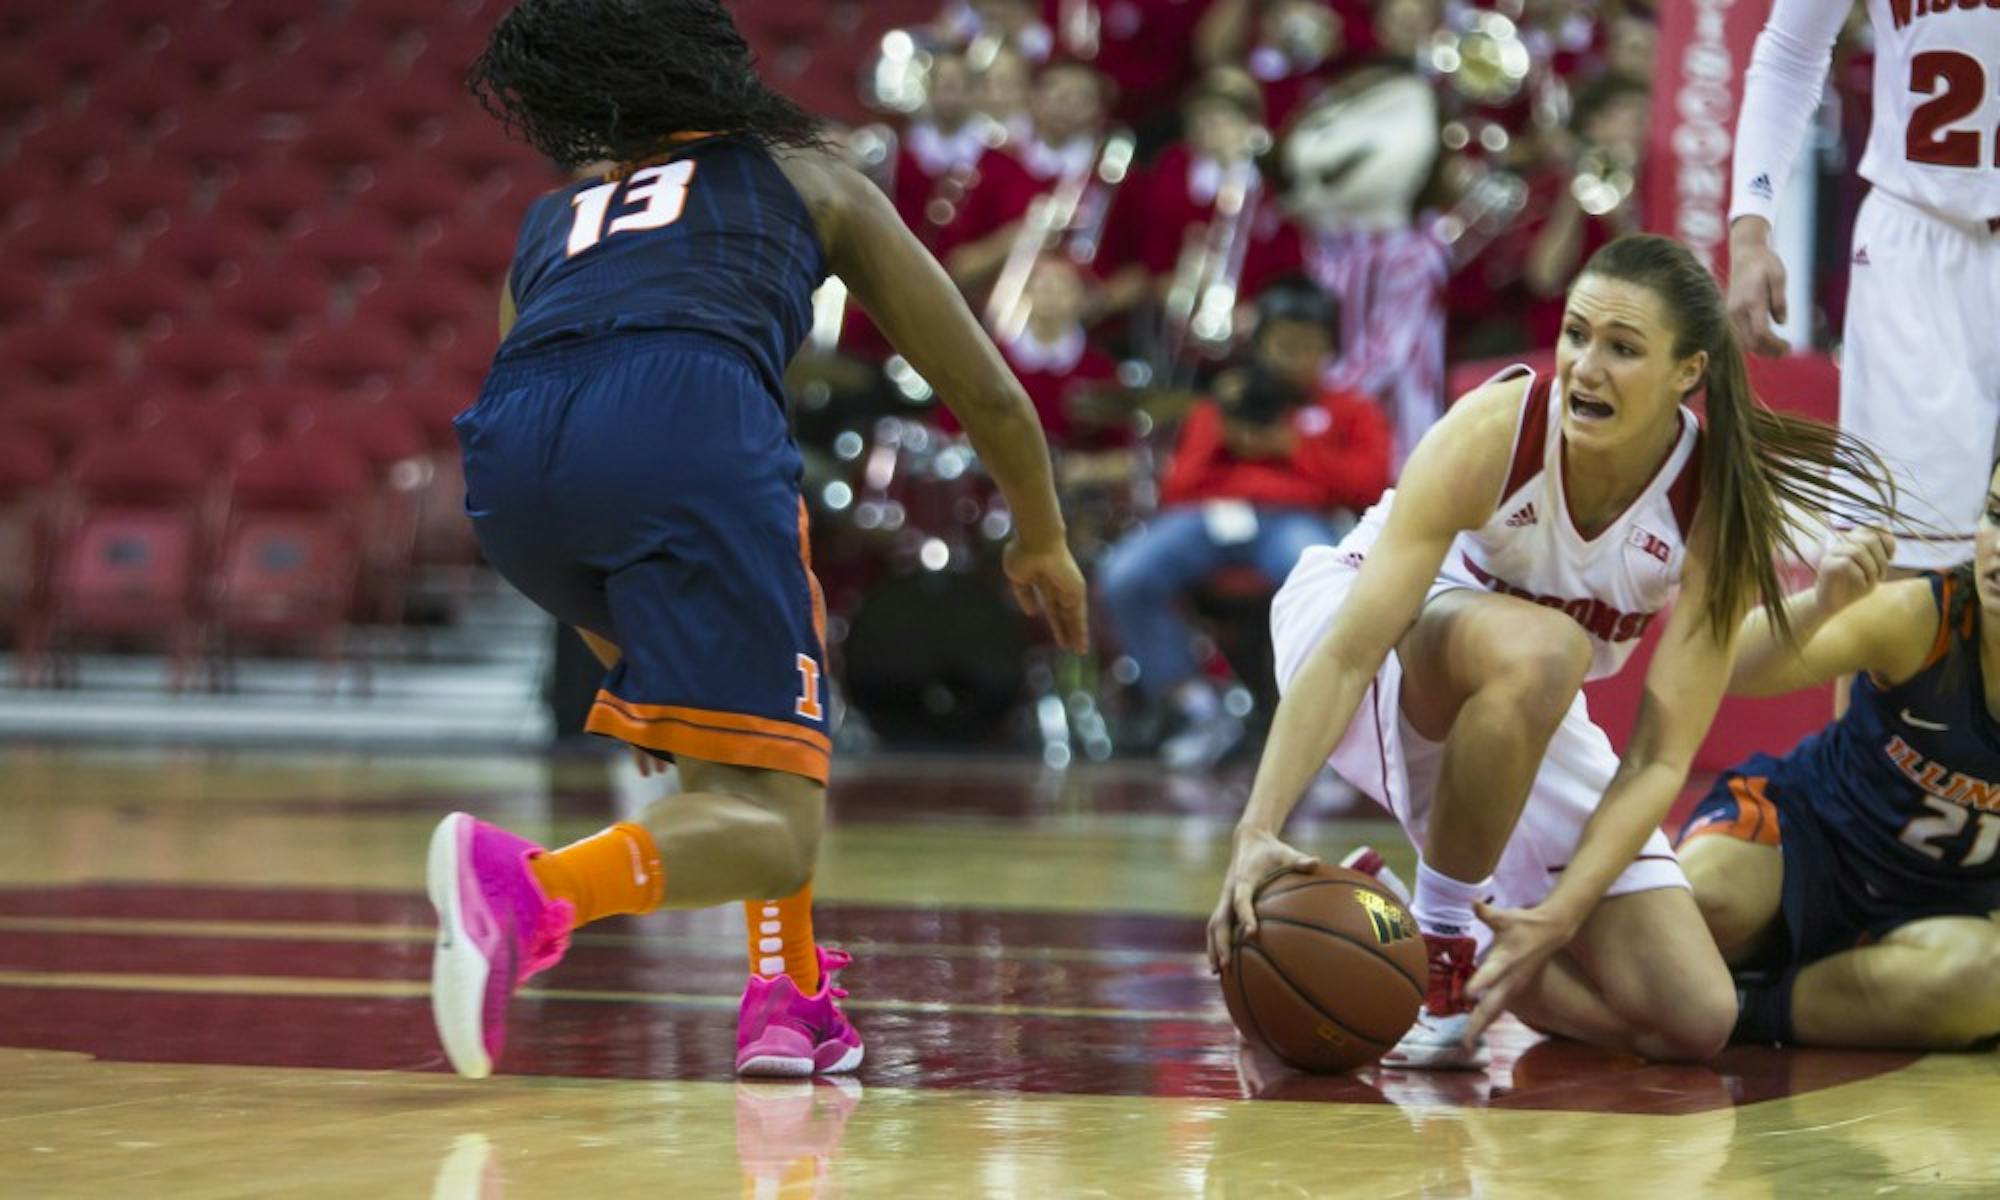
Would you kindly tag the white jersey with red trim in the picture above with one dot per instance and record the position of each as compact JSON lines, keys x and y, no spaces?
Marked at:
{"x":1614,"y":583}
{"x":1934,"y":134}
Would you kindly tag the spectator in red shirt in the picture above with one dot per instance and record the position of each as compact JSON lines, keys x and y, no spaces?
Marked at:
{"x":1147,"y":49}
{"x":1575,"y":219}
{"x":1181,"y":189}
{"x":1068,"y":112}
{"x":938,"y":160}
{"x":1052,"y":356}
{"x":1302,"y":47}
{"x":1271,"y":466}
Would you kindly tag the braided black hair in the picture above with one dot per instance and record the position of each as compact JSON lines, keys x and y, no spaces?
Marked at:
{"x":592,"y":80}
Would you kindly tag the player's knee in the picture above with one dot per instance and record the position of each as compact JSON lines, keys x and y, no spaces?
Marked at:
{"x":1964,"y":995}
{"x":1698,"y":1026}
{"x":1538,"y":673}
{"x":1731,"y":917}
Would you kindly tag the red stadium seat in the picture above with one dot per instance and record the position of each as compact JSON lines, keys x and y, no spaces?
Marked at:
{"x":27,"y":471}
{"x":276,"y":197}
{"x":144,"y":192}
{"x":348,"y":246}
{"x":214,"y":53}
{"x":431,"y":309}
{"x":136,"y":19}
{"x":477,"y":146}
{"x":25,"y":189}
{"x":473,"y":253}
{"x":291,"y":558}
{"x":213,"y":136}
{"x":129,"y":556}
{"x":340,"y":146}
{"x":79,"y":52}
{"x":268,"y":19}
{"x":58,"y":421}
{"x":142,"y":96}
{"x":64,"y":237}
{"x":413,"y":190}
{"x":352,"y":357}
{"x":417,"y":108}
{"x":62,"y":353}
{"x":276,"y":298}
{"x":208,"y":250}
{"x":28,"y":87}
{"x":209,"y":358}
{"x":135,"y":300}
{"x":340,"y":55}
{"x":24,"y":296}
{"x":78,"y":146}
{"x":226,"y":430}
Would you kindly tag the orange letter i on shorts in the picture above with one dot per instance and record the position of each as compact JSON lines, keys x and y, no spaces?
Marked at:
{"x":808,"y":705}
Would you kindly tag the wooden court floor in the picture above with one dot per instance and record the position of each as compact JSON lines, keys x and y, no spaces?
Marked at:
{"x":213,"y":973}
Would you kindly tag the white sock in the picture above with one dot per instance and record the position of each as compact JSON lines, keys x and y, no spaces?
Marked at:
{"x":1197,"y":701}
{"x":1443,"y":905}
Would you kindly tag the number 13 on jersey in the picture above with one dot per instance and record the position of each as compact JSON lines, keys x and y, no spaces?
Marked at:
{"x":660,"y":192}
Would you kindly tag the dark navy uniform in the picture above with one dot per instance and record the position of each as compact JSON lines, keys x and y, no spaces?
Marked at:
{"x":1887,"y":816}
{"x":628,"y":464}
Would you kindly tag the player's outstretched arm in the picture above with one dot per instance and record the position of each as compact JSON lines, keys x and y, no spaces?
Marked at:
{"x":916,"y":305}
{"x":1842,"y":624}
{"x":1451,"y":483}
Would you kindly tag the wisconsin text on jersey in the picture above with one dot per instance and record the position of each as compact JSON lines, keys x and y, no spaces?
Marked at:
{"x":1901,"y":11}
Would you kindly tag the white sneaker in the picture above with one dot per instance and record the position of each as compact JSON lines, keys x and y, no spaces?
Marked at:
{"x":1202,"y":744}
{"x":1437,"y":1044}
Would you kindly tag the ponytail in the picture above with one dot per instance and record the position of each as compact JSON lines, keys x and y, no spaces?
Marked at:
{"x":1764,"y":474}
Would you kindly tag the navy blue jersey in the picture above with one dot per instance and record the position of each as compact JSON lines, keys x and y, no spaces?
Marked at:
{"x":715,"y":241}
{"x":1908,"y":781}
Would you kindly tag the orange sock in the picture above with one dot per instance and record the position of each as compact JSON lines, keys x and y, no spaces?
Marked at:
{"x":615,"y":871}
{"x":781,"y":938}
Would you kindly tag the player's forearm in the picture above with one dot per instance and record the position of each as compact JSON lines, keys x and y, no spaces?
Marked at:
{"x":1008,"y":437}
{"x":1781,"y":91}
{"x":1767,"y":664}
{"x":1633,"y":807}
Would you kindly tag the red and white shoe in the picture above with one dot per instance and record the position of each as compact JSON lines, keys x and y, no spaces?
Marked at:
{"x":1369,"y":861}
{"x":1437,"y":1041}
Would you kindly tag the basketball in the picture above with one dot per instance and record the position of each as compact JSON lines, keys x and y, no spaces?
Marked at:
{"x":1334,"y":975}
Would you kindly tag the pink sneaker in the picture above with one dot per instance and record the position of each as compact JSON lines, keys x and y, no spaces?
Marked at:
{"x":496,"y":927}
{"x":780,"y":1031}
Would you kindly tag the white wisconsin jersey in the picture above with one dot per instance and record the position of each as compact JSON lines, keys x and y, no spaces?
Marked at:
{"x":1934,"y":139}
{"x":1612,"y":584}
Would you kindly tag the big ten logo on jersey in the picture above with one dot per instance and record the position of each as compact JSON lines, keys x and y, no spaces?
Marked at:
{"x":1389,"y":921}
{"x":808,"y":705}
{"x":654,"y":196}
{"x":1649,"y":543}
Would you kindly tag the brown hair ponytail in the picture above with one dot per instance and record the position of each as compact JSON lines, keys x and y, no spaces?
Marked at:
{"x":1762,"y":472}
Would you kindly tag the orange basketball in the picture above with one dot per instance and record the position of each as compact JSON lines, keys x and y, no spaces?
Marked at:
{"x":1335,"y":974}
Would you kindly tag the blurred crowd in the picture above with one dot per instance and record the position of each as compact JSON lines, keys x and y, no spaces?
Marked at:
{"x":1229,"y":247}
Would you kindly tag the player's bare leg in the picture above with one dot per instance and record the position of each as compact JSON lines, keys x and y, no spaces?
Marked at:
{"x":506,"y":906}
{"x":1933,"y":984}
{"x":1642,"y":975}
{"x":1737,"y":888}
{"x":1491,"y":677}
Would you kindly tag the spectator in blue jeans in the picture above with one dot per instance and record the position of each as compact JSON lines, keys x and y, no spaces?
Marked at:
{"x":1272,"y":465}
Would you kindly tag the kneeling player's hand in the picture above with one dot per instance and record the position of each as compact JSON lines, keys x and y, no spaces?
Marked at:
{"x":1254,"y":859}
{"x":1855,"y":563}
{"x":1048,"y":584}
{"x":1524,"y":939}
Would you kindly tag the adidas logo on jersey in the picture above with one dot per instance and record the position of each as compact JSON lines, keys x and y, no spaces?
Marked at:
{"x":1522,"y":517}
{"x":1760,"y":187}
{"x":1861,"y":256}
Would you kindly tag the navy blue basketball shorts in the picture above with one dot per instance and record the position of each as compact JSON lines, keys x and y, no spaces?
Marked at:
{"x":646,"y":488}
{"x":1830,"y":900}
